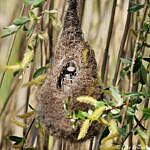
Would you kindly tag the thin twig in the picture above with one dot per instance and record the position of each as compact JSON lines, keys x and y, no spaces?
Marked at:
{"x":27,"y":133}
{"x":103,"y":71}
{"x":123,"y":41}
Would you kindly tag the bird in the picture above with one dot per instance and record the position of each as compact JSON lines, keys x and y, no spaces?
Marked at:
{"x":72,"y":74}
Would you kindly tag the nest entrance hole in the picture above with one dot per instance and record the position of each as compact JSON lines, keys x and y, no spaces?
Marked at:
{"x":68,"y":72}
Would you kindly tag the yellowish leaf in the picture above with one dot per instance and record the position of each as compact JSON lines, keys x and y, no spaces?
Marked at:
{"x":88,"y":100}
{"x":84,"y":129}
{"x":37,"y":81}
{"x":20,"y":124}
{"x":26,"y":115}
{"x":11,"y":67}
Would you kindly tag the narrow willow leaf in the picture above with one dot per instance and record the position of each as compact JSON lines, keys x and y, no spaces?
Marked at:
{"x":124,"y":72}
{"x":81,"y":115}
{"x":116,"y":95}
{"x":84,"y":129}
{"x":143,"y":75}
{"x":26,"y":115}
{"x":146,"y":113}
{"x":137,"y":65}
{"x":9,"y":30}
{"x":88,"y":100}
{"x":11,"y":67}
{"x":15,"y":138}
{"x":28,"y":57}
{"x":19,"y":124}
{"x":97,"y":113}
{"x":33,"y":16}
{"x":37,"y":81}
{"x":28,"y":2}
{"x":21,"y":21}
{"x":135,"y":7}
{"x":39,"y":72}
{"x":38,"y":3}
{"x":18,"y":141}
{"x":35,"y":3}
{"x":125,"y":61}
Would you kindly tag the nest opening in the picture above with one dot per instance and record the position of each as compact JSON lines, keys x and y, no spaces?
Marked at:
{"x":68,"y":72}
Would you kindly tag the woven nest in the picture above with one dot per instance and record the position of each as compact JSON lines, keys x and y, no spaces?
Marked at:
{"x":73,"y":74}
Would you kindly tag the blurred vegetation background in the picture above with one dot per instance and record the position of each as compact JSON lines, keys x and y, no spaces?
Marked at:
{"x":110,"y":29}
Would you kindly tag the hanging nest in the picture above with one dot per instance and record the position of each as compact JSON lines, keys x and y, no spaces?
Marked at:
{"x":73,"y":74}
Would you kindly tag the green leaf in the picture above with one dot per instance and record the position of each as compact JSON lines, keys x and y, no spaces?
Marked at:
{"x":146,"y":26}
{"x":146,"y":112}
{"x":81,"y":114}
{"x":143,"y":75}
{"x":21,"y":21}
{"x":130,"y":113}
{"x":123,"y":131}
{"x":15,"y":139}
{"x":143,"y":138}
{"x":133,"y":94}
{"x":9,"y":30}
{"x":135,"y":7}
{"x":35,"y":3}
{"x":39,"y":72}
{"x":142,"y":134}
{"x":124,"y":72}
{"x":28,"y":2}
{"x":116,"y":95}
{"x":137,"y":65}
{"x":125,"y":61}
